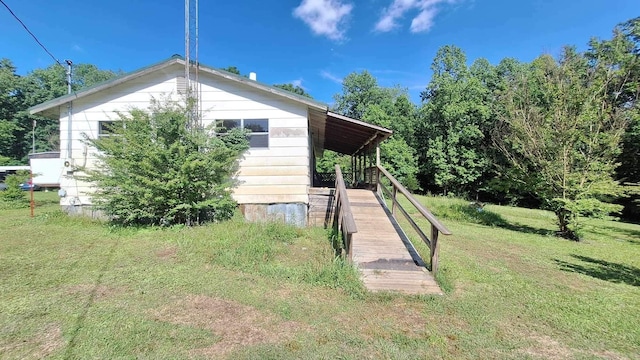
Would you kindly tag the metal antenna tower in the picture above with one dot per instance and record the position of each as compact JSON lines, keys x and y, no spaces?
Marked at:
{"x":192,"y":64}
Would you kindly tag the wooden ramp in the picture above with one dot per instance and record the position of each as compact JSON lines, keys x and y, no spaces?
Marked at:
{"x":385,"y":258}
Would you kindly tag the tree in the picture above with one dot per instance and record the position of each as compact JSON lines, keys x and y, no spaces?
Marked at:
{"x":232,"y":69}
{"x":11,"y":101}
{"x":359,"y":91}
{"x":561,"y":133}
{"x":622,"y":52}
{"x":155,"y":170}
{"x":362,"y":98}
{"x":294,"y":89}
{"x":13,"y":196}
{"x":18,"y":93}
{"x":395,"y":153}
{"x":454,"y":114}
{"x":329,"y":159}
{"x":42,"y":85}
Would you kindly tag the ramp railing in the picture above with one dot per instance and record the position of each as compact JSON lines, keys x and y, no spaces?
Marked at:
{"x":343,"y":222}
{"x":377,"y":172}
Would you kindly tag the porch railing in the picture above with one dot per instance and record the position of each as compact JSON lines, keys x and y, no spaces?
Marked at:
{"x":328,"y":179}
{"x":376,"y":173}
{"x":343,"y":222}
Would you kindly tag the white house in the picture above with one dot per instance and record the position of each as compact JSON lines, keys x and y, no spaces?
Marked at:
{"x":277,"y":173}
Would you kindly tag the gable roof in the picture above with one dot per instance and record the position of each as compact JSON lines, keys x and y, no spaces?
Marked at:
{"x":331,"y":131}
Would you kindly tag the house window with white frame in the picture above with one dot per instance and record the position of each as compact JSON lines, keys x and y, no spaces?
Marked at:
{"x":259,"y":136}
{"x":106,"y":128}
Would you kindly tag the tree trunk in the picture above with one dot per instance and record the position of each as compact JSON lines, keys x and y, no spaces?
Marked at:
{"x":564,"y":220}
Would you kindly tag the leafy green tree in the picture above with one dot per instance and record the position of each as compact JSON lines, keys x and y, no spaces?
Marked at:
{"x":294,"y":89}
{"x":454,"y":114}
{"x":327,"y":162}
{"x":232,"y":69}
{"x":561,"y":134}
{"x":18,"y":93}
{"x":13,"y":196}
{"x":362,"y":98}
{"x":622,"y":52}
{"x":155,"y":170}
{"x":395,"y":153}
{"x":359,"y":91}
{"x":42,"y":85}
{"x":11,"y":101}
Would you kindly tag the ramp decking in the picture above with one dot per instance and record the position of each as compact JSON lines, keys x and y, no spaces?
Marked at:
{"x":385,"y":258}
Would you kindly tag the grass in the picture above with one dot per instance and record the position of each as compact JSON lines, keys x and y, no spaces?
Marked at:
{"x":74,"y":288}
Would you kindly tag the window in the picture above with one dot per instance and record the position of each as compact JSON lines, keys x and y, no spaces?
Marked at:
{"x":259,"y":136}
{"x":106,"y":128}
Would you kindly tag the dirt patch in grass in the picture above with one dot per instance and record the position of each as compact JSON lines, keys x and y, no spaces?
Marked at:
{"x":382,"y":320}
{"x":545,"y":347}
{"x":168,"y":253}
{"x":48,"y":340}
{"x":42,"y":344}
{"x":610,"y":355}
{"x":236,"y":325}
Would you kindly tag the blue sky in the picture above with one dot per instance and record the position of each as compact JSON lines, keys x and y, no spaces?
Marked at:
{"x":312,"y":43}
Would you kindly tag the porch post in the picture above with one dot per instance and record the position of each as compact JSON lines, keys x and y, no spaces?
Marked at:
{"x":359,"y":166}
{"x":363,"y":164}
{"x":378,"y":167}
{"x":353,"y":170}
{"x":369,"y":156}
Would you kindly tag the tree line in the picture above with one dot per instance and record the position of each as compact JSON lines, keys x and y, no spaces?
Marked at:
{"x":561,"y":133}
{"x":18,"y":93}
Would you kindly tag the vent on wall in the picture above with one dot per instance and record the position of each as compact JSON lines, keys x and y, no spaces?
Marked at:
{"x":181,"y":85}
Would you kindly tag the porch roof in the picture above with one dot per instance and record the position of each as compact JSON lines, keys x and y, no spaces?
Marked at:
{"x":342,"y":134}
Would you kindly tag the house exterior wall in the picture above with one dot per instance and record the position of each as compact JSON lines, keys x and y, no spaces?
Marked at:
{"x":279,"y":174}
{"x":87,"y":112}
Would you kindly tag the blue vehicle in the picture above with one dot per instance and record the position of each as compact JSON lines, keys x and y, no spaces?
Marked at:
{"x":28,"y":186}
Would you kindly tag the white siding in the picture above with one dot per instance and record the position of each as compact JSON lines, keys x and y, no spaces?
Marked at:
{"x":288,"y":142}
{"x":278,"y":174}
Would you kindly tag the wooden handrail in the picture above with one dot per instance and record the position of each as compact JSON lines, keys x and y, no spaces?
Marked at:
{"x":343,"y":217}
{"x":436,"y":226}
{"x":426,"y":213}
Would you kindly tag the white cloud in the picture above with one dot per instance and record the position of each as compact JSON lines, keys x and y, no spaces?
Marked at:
{"x":427,"y":10}
{"x":424,"y":21}
{"x":324,"y":17}
{"x":327,"y":75}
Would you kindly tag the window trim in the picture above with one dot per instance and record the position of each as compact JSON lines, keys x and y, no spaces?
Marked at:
{"x":102,"y":131}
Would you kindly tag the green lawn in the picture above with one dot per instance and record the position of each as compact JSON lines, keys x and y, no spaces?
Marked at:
{"x":72,"y":288}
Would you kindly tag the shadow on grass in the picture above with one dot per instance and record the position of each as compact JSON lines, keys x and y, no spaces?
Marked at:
{"x":603,"y":270}
{"x":633,"y":234}
{"x":489,"y":218}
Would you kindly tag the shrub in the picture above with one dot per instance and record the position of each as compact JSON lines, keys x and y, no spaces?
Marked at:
{"x":13,"y":193}
{"x":158,"y":168}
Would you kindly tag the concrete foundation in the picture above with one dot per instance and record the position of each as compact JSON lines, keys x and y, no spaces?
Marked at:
{"x":293,"y":214}
{"x":83,"y":210}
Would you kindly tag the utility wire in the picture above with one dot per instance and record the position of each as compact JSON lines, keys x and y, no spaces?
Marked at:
{"x":30,"y":33}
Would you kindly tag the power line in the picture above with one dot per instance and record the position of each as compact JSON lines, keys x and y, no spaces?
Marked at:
{"x":30,"y":33}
